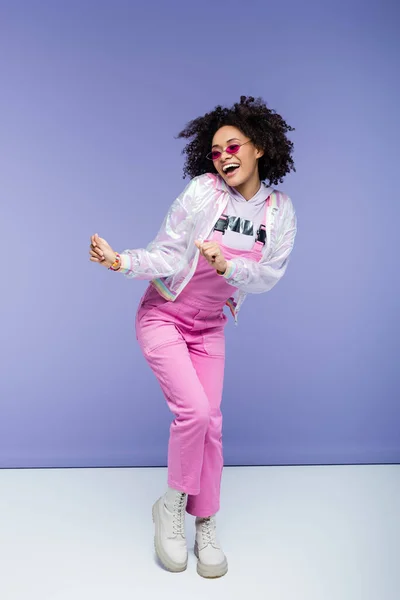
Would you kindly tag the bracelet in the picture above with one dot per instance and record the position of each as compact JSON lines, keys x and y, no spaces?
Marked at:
{"x":116,"y":264}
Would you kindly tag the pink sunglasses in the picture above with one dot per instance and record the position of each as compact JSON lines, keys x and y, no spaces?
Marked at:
{"x":232,"y":149}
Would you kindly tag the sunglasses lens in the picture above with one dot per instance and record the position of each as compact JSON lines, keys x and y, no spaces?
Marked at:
{"x":216,"y":154}
{"x":233,"y":148}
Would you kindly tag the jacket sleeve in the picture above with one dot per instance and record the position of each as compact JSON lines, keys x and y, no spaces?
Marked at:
{"x":169,"y":250}
{"x":258,"y":277}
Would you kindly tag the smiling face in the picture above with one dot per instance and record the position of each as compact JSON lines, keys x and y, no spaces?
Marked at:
{"x":239,"y":170}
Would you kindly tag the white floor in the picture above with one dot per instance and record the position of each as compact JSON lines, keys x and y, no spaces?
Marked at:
{"x":289,"y":533}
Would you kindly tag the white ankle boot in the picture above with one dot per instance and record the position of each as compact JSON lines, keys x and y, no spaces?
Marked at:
{"x":170,"y":541}
{"x":211,"y":560}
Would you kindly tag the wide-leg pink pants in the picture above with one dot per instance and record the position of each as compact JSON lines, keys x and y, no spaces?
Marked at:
{"x":185,"y":347}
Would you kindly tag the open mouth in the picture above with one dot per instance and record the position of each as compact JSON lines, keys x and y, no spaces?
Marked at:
{"x":230,"y":169}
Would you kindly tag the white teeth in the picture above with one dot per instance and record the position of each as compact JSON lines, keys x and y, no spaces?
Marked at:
{"x":225,"y":167}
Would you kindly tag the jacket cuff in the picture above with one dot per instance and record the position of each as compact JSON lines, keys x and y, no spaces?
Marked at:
{"x":230,"y":270}
{"x":125,"y":264}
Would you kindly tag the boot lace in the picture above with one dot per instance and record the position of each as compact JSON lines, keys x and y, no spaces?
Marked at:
{"x":178,"y":520}
{"x":208,"y":532}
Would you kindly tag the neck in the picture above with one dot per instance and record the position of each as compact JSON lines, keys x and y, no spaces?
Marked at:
{"x":250,"y":187}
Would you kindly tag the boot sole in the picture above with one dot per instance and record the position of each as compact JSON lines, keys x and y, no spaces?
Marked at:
{"x":210,"y":571}
{"x":166,"y":561}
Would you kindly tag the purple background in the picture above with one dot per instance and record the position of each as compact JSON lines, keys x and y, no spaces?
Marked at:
{"x":91,"y":96}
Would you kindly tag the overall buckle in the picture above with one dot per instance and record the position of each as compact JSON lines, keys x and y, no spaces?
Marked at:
{"x":262,"y":234}
{"x":221,"y":224}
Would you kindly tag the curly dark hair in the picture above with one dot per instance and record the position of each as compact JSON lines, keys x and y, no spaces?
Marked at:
{"x":266,"y":129}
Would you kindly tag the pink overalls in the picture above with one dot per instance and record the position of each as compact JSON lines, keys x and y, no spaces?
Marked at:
{"x":184,"y":343}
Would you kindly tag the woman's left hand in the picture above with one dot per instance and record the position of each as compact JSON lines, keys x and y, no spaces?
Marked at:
{"x":213,"y":255}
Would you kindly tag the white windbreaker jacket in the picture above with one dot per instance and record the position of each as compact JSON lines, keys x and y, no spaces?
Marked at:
{"x":170,"y":260}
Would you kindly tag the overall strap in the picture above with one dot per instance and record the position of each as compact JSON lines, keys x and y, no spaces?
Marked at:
{"x":262,"y":230}
{"x":220,"y":227}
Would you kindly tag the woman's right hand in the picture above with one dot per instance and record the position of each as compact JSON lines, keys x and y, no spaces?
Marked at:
{"x":101,"y":251}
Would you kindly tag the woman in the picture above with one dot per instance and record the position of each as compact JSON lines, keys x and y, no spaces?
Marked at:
{"x":226,"y":235}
